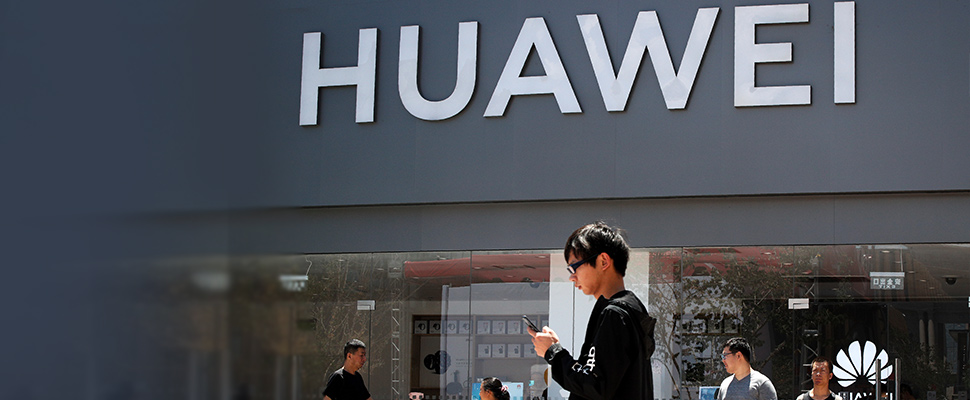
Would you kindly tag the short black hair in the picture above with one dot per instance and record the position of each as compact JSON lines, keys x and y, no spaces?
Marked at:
{"x":821,"y":359}
{"x":740,"y":345}
{"x":494,"y":386}
{"x":598,"y":237}
{"x":352,"y":346}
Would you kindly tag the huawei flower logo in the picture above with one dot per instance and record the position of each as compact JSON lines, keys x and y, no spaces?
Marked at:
{"x":860,"y":362}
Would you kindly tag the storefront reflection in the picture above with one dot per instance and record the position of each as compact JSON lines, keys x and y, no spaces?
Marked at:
{"x":272,"y":327}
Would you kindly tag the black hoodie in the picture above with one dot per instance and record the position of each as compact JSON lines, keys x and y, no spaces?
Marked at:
{"x":615,"y":358}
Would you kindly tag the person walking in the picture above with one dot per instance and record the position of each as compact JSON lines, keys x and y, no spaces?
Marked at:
{"x":346,"y":383}
{"x":744,"y":383}
{"x":821,"y":375}
{"x":614,"y":361}
{"x":493,"y":389}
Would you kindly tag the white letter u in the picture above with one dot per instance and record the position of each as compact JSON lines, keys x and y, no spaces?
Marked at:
{"x":407,"y":77}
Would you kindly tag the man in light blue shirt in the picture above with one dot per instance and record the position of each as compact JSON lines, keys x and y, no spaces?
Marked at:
{"x":744,"y":382}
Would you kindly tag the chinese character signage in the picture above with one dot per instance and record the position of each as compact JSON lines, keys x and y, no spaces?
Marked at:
{"x":886,"y":280}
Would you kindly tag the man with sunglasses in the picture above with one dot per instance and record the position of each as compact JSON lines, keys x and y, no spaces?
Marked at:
{"x":614,"y":362}
{"x":744,"y":383}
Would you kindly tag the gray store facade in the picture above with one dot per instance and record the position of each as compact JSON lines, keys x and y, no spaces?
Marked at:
{"x":790,"y":172}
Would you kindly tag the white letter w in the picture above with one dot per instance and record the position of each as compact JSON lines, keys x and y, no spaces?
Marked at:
{"x":647,"y":34}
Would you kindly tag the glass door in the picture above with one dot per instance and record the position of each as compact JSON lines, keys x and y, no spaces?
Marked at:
{"x":892,"y":319}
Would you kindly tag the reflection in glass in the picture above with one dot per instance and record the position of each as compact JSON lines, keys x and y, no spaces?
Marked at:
{"x":435,"y":323}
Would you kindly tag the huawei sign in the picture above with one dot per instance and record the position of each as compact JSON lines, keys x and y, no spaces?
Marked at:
{"x":860,"y":363}
{"x":646,"y":38}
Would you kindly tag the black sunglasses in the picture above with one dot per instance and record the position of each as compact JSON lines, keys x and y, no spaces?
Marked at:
{"x":572,"y":267}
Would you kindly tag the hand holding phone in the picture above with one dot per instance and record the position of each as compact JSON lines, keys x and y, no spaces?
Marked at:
{"x":531,"y":325}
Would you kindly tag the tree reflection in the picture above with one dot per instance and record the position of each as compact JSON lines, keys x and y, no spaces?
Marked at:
{"x":709,"y":295}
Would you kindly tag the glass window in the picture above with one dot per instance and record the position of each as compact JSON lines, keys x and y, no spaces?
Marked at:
{"x":436,"y":323}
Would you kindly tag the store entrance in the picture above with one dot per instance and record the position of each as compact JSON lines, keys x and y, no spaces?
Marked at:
{"x":891,"y":330}
{"x":919,"y":350}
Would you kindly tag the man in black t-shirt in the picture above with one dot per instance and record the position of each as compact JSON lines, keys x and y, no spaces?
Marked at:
{"x":346,"y":383}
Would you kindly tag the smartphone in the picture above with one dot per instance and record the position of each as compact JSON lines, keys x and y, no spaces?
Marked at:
{"x":531,"y":325}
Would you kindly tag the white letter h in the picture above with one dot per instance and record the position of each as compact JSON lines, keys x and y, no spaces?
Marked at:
{"x":364,"y":75}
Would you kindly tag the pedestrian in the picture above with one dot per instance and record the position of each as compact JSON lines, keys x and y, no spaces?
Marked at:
{"x":614,"y":361}
{"x":744,"y":383}
{"x":821,"y":375}
{"x":493,"y":389}
{"x":346,"y":383}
